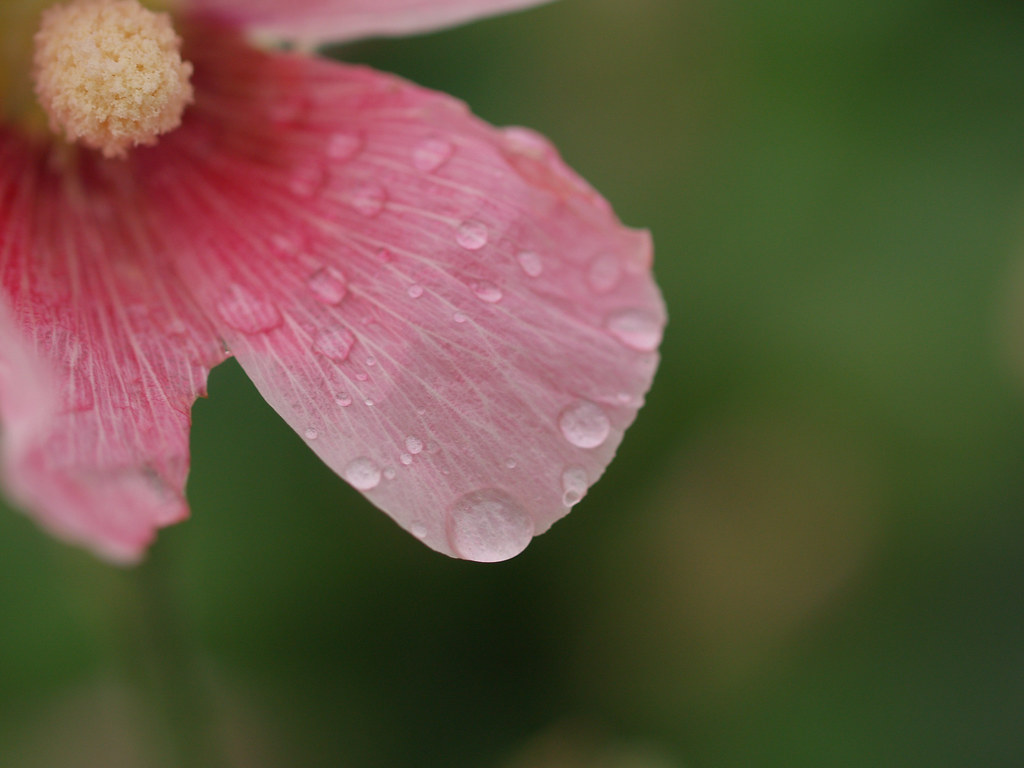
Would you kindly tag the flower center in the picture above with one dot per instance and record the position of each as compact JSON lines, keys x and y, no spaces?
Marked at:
{"x":109,"y":74}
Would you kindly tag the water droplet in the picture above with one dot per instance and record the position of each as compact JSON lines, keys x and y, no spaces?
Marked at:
{"x":406,"y":458}
{"x":371,"y":361}
{"x":636,"y":328}
{"x":530,"y":262}
{"x":413,"y":445}
{"x":459,"y":317}
{"x":363,"y":473}
{"x":584,"y":424}
{"x":431,"y":154}
{"x":311,"y":434}
{"x":472,"y":235}
{"x":287,"y":106}
{"x":343,"y":146}
{"x":334,"y":342}
{"x":389,"y":473}
{"x":242,"y":310}
{"x":328,"y":285}
{"x":510,"y":463}
{"x":488,"y":526}
{"x":285,"y":244}
{"x":486,"y":291}
{"x":368,"y":401}
{"x":419,"y":530}
{"x":574,"y":485}
{"x":368,"y":199}
{"x":415,"y":291}
{"x":344,"y":400}
{"x":307,"y":179}
{"x":604,"y":273}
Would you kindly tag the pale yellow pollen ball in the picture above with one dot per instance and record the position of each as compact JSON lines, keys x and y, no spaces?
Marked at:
{"x":109,"y":73}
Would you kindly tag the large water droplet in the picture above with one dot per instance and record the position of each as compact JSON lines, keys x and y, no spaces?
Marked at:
{"x":530,"y":262}
{"x":488,"y":526}
{"x":472,"y":235}
{"x":343,"y":146}
{"x":574,"y":485}
{"x":334,"y":342}
{"x":413,"y":444}
{"x":636,"y":328}
{"x":242,"y":310}
{"x":486,"y":291}
{"x":406,"y":459}
{"x":363,"y":473}
{"x":415,"y":291}
{"x":311,"y":433}
{"x":584,"y":424}
{"x":604,"y":273}
{"x":431,"y":154}
{"x":328,"y":285}
{"x":368,"y":200}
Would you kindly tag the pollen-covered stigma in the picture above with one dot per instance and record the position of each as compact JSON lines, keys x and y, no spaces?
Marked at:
{"x":109,"y":74}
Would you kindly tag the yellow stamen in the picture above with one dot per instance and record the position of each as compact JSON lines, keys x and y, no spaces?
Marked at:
{"x":109,"y":73}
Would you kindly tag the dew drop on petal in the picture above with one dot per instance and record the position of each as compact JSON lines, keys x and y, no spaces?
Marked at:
{"x":243,"y":311}
{"x":368,"y":200}
{"x":334,"y":342}
{"x":472,"y":235}
{"x":419,"y":530}
{"x":415,"y":291}
{"x":311,"y":434}
{"x":459,"y":317}
{"x":363,"y":473}
{"x":413,"y":445}
{"x":487,"y":292}
{"x":328,"y":285}
{"x":389,"y":473}
{"x":530,"y":262}
{"x":636,"y":328}
{"x":343,"y":399}
{"x":604,"y":273}
{"x":368,"y":401}
{"x":307,"y":179}
{"x":510,"y":463}
{"x":431,"y":154}
{"x":371,"y":361}
{"x":574,"y":485}
{"x":343,"y":146}
{"x":488,"y":526}
{"x":584,"y":424}
{"x":406,"y":458}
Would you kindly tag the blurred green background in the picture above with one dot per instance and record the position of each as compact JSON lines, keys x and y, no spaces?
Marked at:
{"x":810,"y":551}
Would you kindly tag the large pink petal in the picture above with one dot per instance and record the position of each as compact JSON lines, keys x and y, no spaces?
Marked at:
{"x":455,"y":322}
{"x":322,"y":21}
{"x":103,"y":353}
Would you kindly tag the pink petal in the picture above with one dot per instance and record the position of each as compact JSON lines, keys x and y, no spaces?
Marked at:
{"x":321,"y":21}
{"x":104,"y":354}
{"x":454,"y":321}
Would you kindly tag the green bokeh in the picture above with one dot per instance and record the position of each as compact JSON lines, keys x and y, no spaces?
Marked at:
{"x":809,"y":551}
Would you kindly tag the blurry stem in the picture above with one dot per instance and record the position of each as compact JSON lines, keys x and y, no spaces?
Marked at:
{"x":161,"y":664}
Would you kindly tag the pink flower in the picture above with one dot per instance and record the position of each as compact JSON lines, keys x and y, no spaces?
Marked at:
{"x":451,"y":318}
